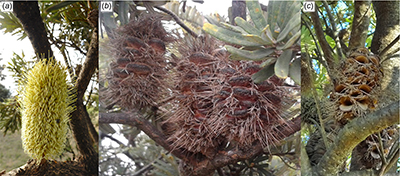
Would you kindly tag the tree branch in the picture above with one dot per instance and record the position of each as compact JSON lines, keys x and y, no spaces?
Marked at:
{"x":29,"y":15}
{"x":334,"y":29}
{"x":361,"y":20}
{"x":176,"y":18}
{"x":136,"y":119}
{"x":387,"y":25}
{"x":221,"y":159}
{"x":330,"y":61}
{"x":80,"y":120}
{"x":352,"y":134}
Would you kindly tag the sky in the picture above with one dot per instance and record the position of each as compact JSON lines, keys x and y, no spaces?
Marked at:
{"x":213,"y":6}
{"x":7,"y":49}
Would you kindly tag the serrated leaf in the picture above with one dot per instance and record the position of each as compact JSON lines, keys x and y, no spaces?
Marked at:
{"x":274,"y":12}
{"x":227,"y":35}
{"x":192,"y":13}
{"x":247,"y":26}
{"x":267,"y":36}
{"x":269,"y":60}
{"x":290,"y":42}
{"x":263,"y":74}
{"x":234,"y":28}
{"x":290,"y":9}
{"x":166,"y":167}
{"x":256,"y":55}
{"x":256,"y":14}
{"x":295,"y":71}
{"x":106,"y":128}
{"x":262,"y":158}
{"x":293,"y":24}
{"x":282,"y":64}
{"x":266,"y":172}
{"x":59,"y":5}
{"x":256,"y":39}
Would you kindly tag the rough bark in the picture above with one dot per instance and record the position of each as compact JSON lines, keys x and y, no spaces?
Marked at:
{"x":29,"y":15}
{"x":387,"y":24}
{"x":361,"y":20}
{"x":195,"y":167}
{"x":79,"y":122}
{"x":238,"y":10}
{"x":352,"y":134}
{"x":387,"y":27}
{"x":49,"y":168}
{"x":135,"y":119}
{"x":326,"y":49}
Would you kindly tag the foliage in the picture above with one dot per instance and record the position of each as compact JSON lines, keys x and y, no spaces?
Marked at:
{"x":10,"y":115}
{"x":11,"y":25}
{"x":273,"y":39}
{"x":4,"y":93}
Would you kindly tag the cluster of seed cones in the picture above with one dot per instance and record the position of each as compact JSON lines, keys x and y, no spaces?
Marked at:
{"x":218,"y":102}
{"x":359,"y":79}
{"x":136,"y":77}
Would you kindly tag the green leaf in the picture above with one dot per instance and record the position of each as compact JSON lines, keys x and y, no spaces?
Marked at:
{"x":293,"y":25}
{"x":212,"y":20}
{"x":256,"y":55}
{"x":59,"y":5}
{"x":234,"y":28}
{"x":295,"y":71}
{"x":228,"y":36}
{"x":247,"y":26}
{"x":256,"y":14}
{"x":269,"y":60}
{"x":274,"y":12}
{"x":11,"y":24}
{"x":290,"y":42}
{"x":282,"y":64}
{"x":263,"y":74}
{"x":256,"y":38}
{"x":262,"y":158}
{"x":267,"y":36}
{"x":290,"y":9}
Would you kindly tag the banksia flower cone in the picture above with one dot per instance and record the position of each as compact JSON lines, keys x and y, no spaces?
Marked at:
{"x":45,"y":105}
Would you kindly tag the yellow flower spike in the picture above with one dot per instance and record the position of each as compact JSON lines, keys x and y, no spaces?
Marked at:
{"x":46,"y":107}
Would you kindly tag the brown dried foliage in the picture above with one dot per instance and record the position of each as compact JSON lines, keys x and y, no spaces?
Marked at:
{"x":217,"y":102}
{"x":355,"y":92}
{"x":136,"y":76}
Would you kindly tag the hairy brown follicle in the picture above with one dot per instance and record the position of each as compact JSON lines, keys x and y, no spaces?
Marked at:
{"x":137,"y":73}
{"x":221,"y":104}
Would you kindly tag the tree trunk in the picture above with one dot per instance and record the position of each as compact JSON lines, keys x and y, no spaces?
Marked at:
{"x":361,"y":20}
{"x":238,"y":10}
{"x":387,"y":29}
{"x":29,"y":15}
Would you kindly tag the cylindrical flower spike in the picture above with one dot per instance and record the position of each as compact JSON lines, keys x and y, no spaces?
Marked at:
{"x":46,"y":104}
